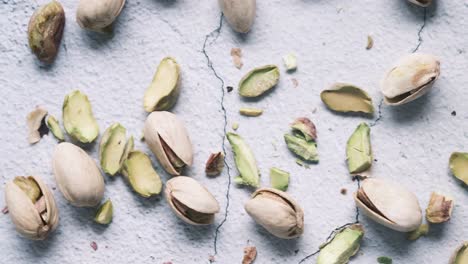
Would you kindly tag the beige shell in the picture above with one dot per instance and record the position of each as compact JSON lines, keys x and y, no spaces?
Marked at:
{"x":423,"y":3}
{"x":185,"y":193}
{"x":389,"y":204}
{"x":411,"y":77}
{"x":97,"y":15}
{"x":167,"y":126}
{"x":77,"y":175}
{"x":240,"y":14}
{"x":277,"y":212}
{"x":24,"y":214}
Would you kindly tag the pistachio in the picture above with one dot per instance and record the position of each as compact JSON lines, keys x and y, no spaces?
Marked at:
{"x":305,"y":128}
{"x":423,"y":3}
{"x":45,"y":31}
{"x":290,"y":62}
{"x":250,"y":253}
{"x":190,"y":201}
{"x":235,"y":126}
{"x":140,"y":173}
{"x":168,"y":139}
{"x":77,"y":175}
{"x":389,"y":204}
{"x":279,"y":179}
{"x":307,"y":150}
{"x":240,"y":14}
{"x":370,"y":42}
{"x":411,"y":77}
{"x":31,"y":207}
{"x":35,"y":120}
{"x":439,"y":209}
{"x":249,"y":111}
{"x":104,"y":213}
{"x":98,"y":15}
{"x":421,"y":231}
{"x":459,"y":166}
{"x":53,"y":125}
{"x":343,"y":97}
{"x":343,"y":246}
{"x":164,"y":90}
{"x":460,"y":256}
{"x":112,"y":148}
{"x":245,"y":161}
{"x":236,"y":54}
{"x":277,"y":212}
{"x":258,"y":81}
{"x":214,"y":164}
{"x":78,"y":118}
{"x":358,"y":150}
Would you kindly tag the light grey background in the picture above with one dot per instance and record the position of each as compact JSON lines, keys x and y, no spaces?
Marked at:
{"x":412,"y":143}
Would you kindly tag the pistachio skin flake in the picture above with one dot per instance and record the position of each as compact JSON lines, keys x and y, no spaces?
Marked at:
{"x":214,"y":164}
{"x":259,"y":80}
{"x":305,"y":128}
{"x":245,"y":161}
{"x":342,"y":247}
{"x":249,"y":111}
{"x":279,"y":179}
{"x":439,"y":209}
{"x":459,"y":166}
{"x":343,"y":97}
{"x":421,"y":231}
{"x":104,"y":213}
{"x":307,"y":150}
{"x":358,"y":150}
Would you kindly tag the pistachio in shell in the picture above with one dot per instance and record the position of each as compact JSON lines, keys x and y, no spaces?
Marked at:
{"x":389,"y":204}
{"x":250,"y":111}
{"x":141,"y":175}
{"x":54,"y":127}
{"x":279,"y":179}
{"x":104,"y":213}
{"x":358,"y":150}
{"x":460,"y":256}
{"x":98,"y":16}
{"x":31,"y":206}
{"x":114,"y":148}
{"x":240,"y":14}
{"x":35,"y":120}
{"x":78,"y":118}
{"x":164,"y":90}
{"x":277,"y":212}
{"x":215,"y":164}
{"x":343,"y":246}
{"x":344,"y":97}
{"x":190,"y":201}
{"x":439,"y":209}
{"x":459,"y":166}
{"x":259,"y":80}
{"x":423,"y":3}
{"x":306,"y":150}
{"x":245,"y":161}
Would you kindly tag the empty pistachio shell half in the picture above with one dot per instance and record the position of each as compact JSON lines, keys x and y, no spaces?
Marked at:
{"x":259,"y":80}
{"x":53,"y":125}
{"x":168,"y":139}
{"x":439,"y":209}
{"x":358,"y":150}
{"x":190,"y":201}
{"x":113,"y":149}
{"x":389,"y":204}
{"x":78,"y":118}
{"x":35,"y":119}
{"x":343,"y":97}
{"x":305,"y":128}
{"x":277,"y":212}
{"x":460,"y":256}
{"x":343,"y":246}
{"x":459,"y":166}
{"x":245,"y":161}
{"x":411,"y":77}
{"x":45,"y":31}
{"x":104,"y":213}
{"x":140,"y":173}
{"x":240,"y":14}
{"x":98,"y":15}
{"x":31,"y":207}
{"x":423,"y":3}
{"x":77,"y":175}
{"x":279,"y":179}
{"x":307,"y":150}
{"x":214,"y":164}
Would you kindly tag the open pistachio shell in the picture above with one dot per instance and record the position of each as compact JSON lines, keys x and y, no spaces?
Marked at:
{"x":459,"y":166}
{"x":240,"y":14}
{"x":277,"y":212}
{"x":168,"y":139}
{"x":307,"y":150}
{"x":53,"y":125}
{"x":35,"y":119}
{"x":389,"y":204}
{"x":98,"y":15}
{"x":411,"y":77}
{"x":460,"y":256}
{"x":343,"y":246}
{"x":77,"y":175}
{"x":259,"y":80}
{"x":34,"y":219}
{"x":245,"y":161}
{"x":141,"y":174}
{"x":78,"y":118}
{"x":343,"y":97}
{"x":358,"y":150}
{"x":439,"y":209}
{"x":112,"y":148}
{"x":423,"y":3}
{"x":190,"y":201}
{"x":104,"y":213}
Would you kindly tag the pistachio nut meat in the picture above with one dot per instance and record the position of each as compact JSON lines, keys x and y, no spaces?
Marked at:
{"x":77,"y":175}
{"x":258,"y":81}
{"x":389,"y":204}
{"x":358,"y":150}
{"x":304,"y":127}
{"x":240,"y":14}
{"x":54,"y":127}
{"x":279,"y":179}
{"x":168,"y":139}
{"x":460,"y":256}
{"x":78,"y":118}
{"x":190,"y":201}
{"x":344,"y":97}
{"x":343,"y":246}
{"x":277,"y":212}
{"x":245,"y":161}
{"x":410,"y":78}
{"x":141,"y":175}
{"x":104,"y":213}
{"x":31,"y":206}
{"x":458,"y":163}
{"x":114,"y":148}
{"x":98,"y":15}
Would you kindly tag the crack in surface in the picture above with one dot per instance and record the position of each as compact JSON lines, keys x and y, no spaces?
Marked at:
{"x":379,"y":115}
{"x":420,"y":40}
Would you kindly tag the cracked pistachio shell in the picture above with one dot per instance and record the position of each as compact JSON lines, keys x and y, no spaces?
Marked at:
{"x":164,"y":90}
{"x":140,"y":173}
{"x":459,"y":166}
{"x":343,"y":97}
{"x":304,"y":127}
{"x":98,"y":15}
{"x":411,"y":77}
{"x":77,"y":175}
{"x":35,"y":120}
{"x":33,"y":219}
{"x":279,"y":179}
{"x":112,"y":148}
{"x":104,"y":213}
{"x":389,"y":204}
{"x":45,"y":31}
{"x":240,"y":14}
{"x":53,"y":125}
{"x":439,"y":209}
{"x":343,"y":246}
{"x":460,"y":256}
{"x":190,"y":201}
{"x":168,"y":139}
{"x":245,"y":161}
{"x":277,"y":212}
{"x":358,"y":150}
{"x":78,"y":118}
{"x":259,"y":80}
{"x":423,"y":3}
{"x":307,"y":150}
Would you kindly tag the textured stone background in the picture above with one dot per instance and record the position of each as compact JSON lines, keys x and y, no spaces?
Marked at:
{"x":412,"y":143}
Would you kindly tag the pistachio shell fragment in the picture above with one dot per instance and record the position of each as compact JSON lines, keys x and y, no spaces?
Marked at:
{"x":250,"y":253}
{"x":423,"y":3}
{"x":305,"y":128}
{"x":245,"y":161}
{"x":98,"y":15}
{"x":78,"y":118}
{"x":53,"y":125}
{"x":290,"y":62}
{"x":164,"y":89}
{"x":140,"y":173}
{"x":307,"y":150}
{"x":259,"y":80}
{"x":279,"y":179}
{"x":460,"y":256}
{"x":344,"y":97}
{"x":104,"y":213}
{"x":459,"y":166}
{"x":358,"y":150}
{"x":112,"y":148}
{"x":343,"y":246}
{"x":35,"y":120}
{"x":190,"y":201}
{"x":249,"y":111}
{"x":240,"y":14}
{"x":214,"y":164}
{"x":421,"y":231}
{"x":439,"y":209}
{"x":277,"y":212}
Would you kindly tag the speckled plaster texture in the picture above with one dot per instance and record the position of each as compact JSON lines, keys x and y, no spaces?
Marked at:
{"x":411,"y":143}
